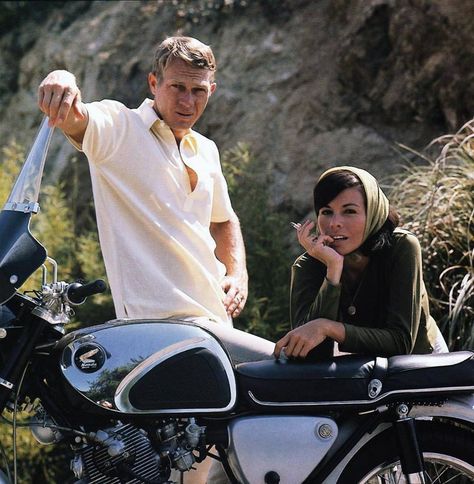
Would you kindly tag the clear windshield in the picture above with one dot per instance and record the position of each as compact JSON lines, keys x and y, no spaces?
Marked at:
{"x":25,"y":193}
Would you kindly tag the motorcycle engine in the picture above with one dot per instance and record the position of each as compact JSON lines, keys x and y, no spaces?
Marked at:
{"x":119,"y":454}
{"x":126,"y":454}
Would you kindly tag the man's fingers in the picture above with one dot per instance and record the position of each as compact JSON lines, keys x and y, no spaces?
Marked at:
{"x":55,"y":105}
{"x":57,"y":94}
{"x":237,"y":304}
{"x":66,"y":102}
{"x":75,"y":105}
{"x":230,"y":297}
{"x":44,"y":99}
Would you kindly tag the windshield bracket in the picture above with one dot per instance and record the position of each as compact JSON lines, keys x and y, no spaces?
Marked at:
{"x":31,"y":207}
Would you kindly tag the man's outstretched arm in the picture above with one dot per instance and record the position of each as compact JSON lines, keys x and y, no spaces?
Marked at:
{"x":60,"y":99}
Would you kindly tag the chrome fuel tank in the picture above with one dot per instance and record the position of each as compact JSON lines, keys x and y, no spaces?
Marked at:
{"x":148,"y":367}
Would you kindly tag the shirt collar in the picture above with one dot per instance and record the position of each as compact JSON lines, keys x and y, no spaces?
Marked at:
{"x":151,"y":119}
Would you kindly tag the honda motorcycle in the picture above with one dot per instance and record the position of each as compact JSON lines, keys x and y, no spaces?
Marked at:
{"x":135,"y":399}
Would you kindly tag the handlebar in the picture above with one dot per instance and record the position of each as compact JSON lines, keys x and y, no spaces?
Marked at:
{"x":77,"y":292}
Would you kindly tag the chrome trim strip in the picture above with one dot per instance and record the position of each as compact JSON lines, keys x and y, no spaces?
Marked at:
{"x":121,"y":397}
{"x":356,"y":402}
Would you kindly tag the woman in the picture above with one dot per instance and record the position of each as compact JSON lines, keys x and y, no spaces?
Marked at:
{"x":360,"y":282}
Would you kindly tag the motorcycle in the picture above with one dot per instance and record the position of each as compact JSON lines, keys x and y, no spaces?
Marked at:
{"x":136,"y":399}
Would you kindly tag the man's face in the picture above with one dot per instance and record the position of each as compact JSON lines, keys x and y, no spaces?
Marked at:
{"x":182,"y":95}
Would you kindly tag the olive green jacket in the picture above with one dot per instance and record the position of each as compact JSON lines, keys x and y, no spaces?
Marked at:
{"x":392,"y":312}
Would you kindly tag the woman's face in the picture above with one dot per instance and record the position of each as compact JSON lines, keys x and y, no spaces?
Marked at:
{"x":344,"y":218}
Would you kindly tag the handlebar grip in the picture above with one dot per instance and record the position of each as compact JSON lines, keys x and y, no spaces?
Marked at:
{"x":77,"y":292}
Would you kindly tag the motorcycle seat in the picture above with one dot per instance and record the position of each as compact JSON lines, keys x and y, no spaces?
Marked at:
{"x":354,"y":380}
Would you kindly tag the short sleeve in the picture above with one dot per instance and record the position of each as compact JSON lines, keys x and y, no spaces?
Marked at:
{"x":105,"y":130}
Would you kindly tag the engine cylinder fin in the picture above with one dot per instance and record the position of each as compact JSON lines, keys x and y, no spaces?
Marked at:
{"x":100,"y":466}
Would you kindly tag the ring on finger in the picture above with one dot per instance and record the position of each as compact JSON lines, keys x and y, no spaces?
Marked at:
{"x":238,"y":298}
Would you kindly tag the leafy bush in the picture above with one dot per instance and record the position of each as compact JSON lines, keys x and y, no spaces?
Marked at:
{"x":265,"y":234}
{"x":436,"y":202}
{"x":75,"y":249}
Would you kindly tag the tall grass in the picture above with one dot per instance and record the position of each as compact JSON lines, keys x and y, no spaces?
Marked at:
{"x":436,"y":202}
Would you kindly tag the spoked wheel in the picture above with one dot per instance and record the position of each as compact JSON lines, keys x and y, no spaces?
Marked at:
{"x":448,"y":454}
{"x":439,"y":469}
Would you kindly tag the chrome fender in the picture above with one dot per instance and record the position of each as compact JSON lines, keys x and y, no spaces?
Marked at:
{"x":459,"y":407}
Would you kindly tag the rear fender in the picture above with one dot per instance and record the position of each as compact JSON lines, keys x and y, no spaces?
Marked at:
{"x":459,"y":407}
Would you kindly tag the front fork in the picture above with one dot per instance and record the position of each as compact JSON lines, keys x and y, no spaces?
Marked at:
{"x":410,"y":455}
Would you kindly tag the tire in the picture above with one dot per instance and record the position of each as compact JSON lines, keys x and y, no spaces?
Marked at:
{"x":448,"y":454}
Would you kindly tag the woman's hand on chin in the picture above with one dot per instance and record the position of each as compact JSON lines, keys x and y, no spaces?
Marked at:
{"x":319,"y":248}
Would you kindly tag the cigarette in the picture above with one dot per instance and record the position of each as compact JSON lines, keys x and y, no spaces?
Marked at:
{"x":295,"y":225}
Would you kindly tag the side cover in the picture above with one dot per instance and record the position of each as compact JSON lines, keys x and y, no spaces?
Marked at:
{"x":148,"y":367}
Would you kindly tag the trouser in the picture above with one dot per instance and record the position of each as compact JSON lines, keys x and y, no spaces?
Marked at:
{"x":242,"y":347}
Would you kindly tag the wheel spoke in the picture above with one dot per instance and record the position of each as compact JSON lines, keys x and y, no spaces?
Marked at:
{"x":438,"y":470}
{"x":439,"y":474}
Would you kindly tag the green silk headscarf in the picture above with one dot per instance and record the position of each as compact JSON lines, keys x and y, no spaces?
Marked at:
{"x":377,"y":202}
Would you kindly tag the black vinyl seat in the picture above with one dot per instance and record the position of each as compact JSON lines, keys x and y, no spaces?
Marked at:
{"x":354,"y":380}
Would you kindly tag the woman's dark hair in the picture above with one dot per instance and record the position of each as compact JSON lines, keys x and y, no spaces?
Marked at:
{"x":329,"y":188}
{"x":331,"y":185}
{"x":383,"y":238}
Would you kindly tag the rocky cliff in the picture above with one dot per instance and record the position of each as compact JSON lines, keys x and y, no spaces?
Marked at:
{"x":306,"y":83}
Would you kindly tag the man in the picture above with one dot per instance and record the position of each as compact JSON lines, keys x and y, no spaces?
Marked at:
{"x":158,"y":189}
{"x":171,"y":242}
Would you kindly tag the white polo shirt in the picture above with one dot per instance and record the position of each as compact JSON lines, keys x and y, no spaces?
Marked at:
{"x":154,"y":232}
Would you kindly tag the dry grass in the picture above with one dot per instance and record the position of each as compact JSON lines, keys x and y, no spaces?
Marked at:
{"x":436,"y":202}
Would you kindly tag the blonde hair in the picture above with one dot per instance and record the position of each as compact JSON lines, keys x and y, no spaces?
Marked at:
{"x":188,"y":49}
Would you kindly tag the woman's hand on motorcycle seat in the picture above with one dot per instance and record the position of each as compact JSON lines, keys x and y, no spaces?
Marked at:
{"x":300,"y":341}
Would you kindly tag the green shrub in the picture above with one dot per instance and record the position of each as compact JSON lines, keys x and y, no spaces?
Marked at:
{"x":75,"y":249}
{"x":265,"y":234}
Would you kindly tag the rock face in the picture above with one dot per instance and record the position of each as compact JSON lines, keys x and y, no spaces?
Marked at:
{"x":307,"y":84}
